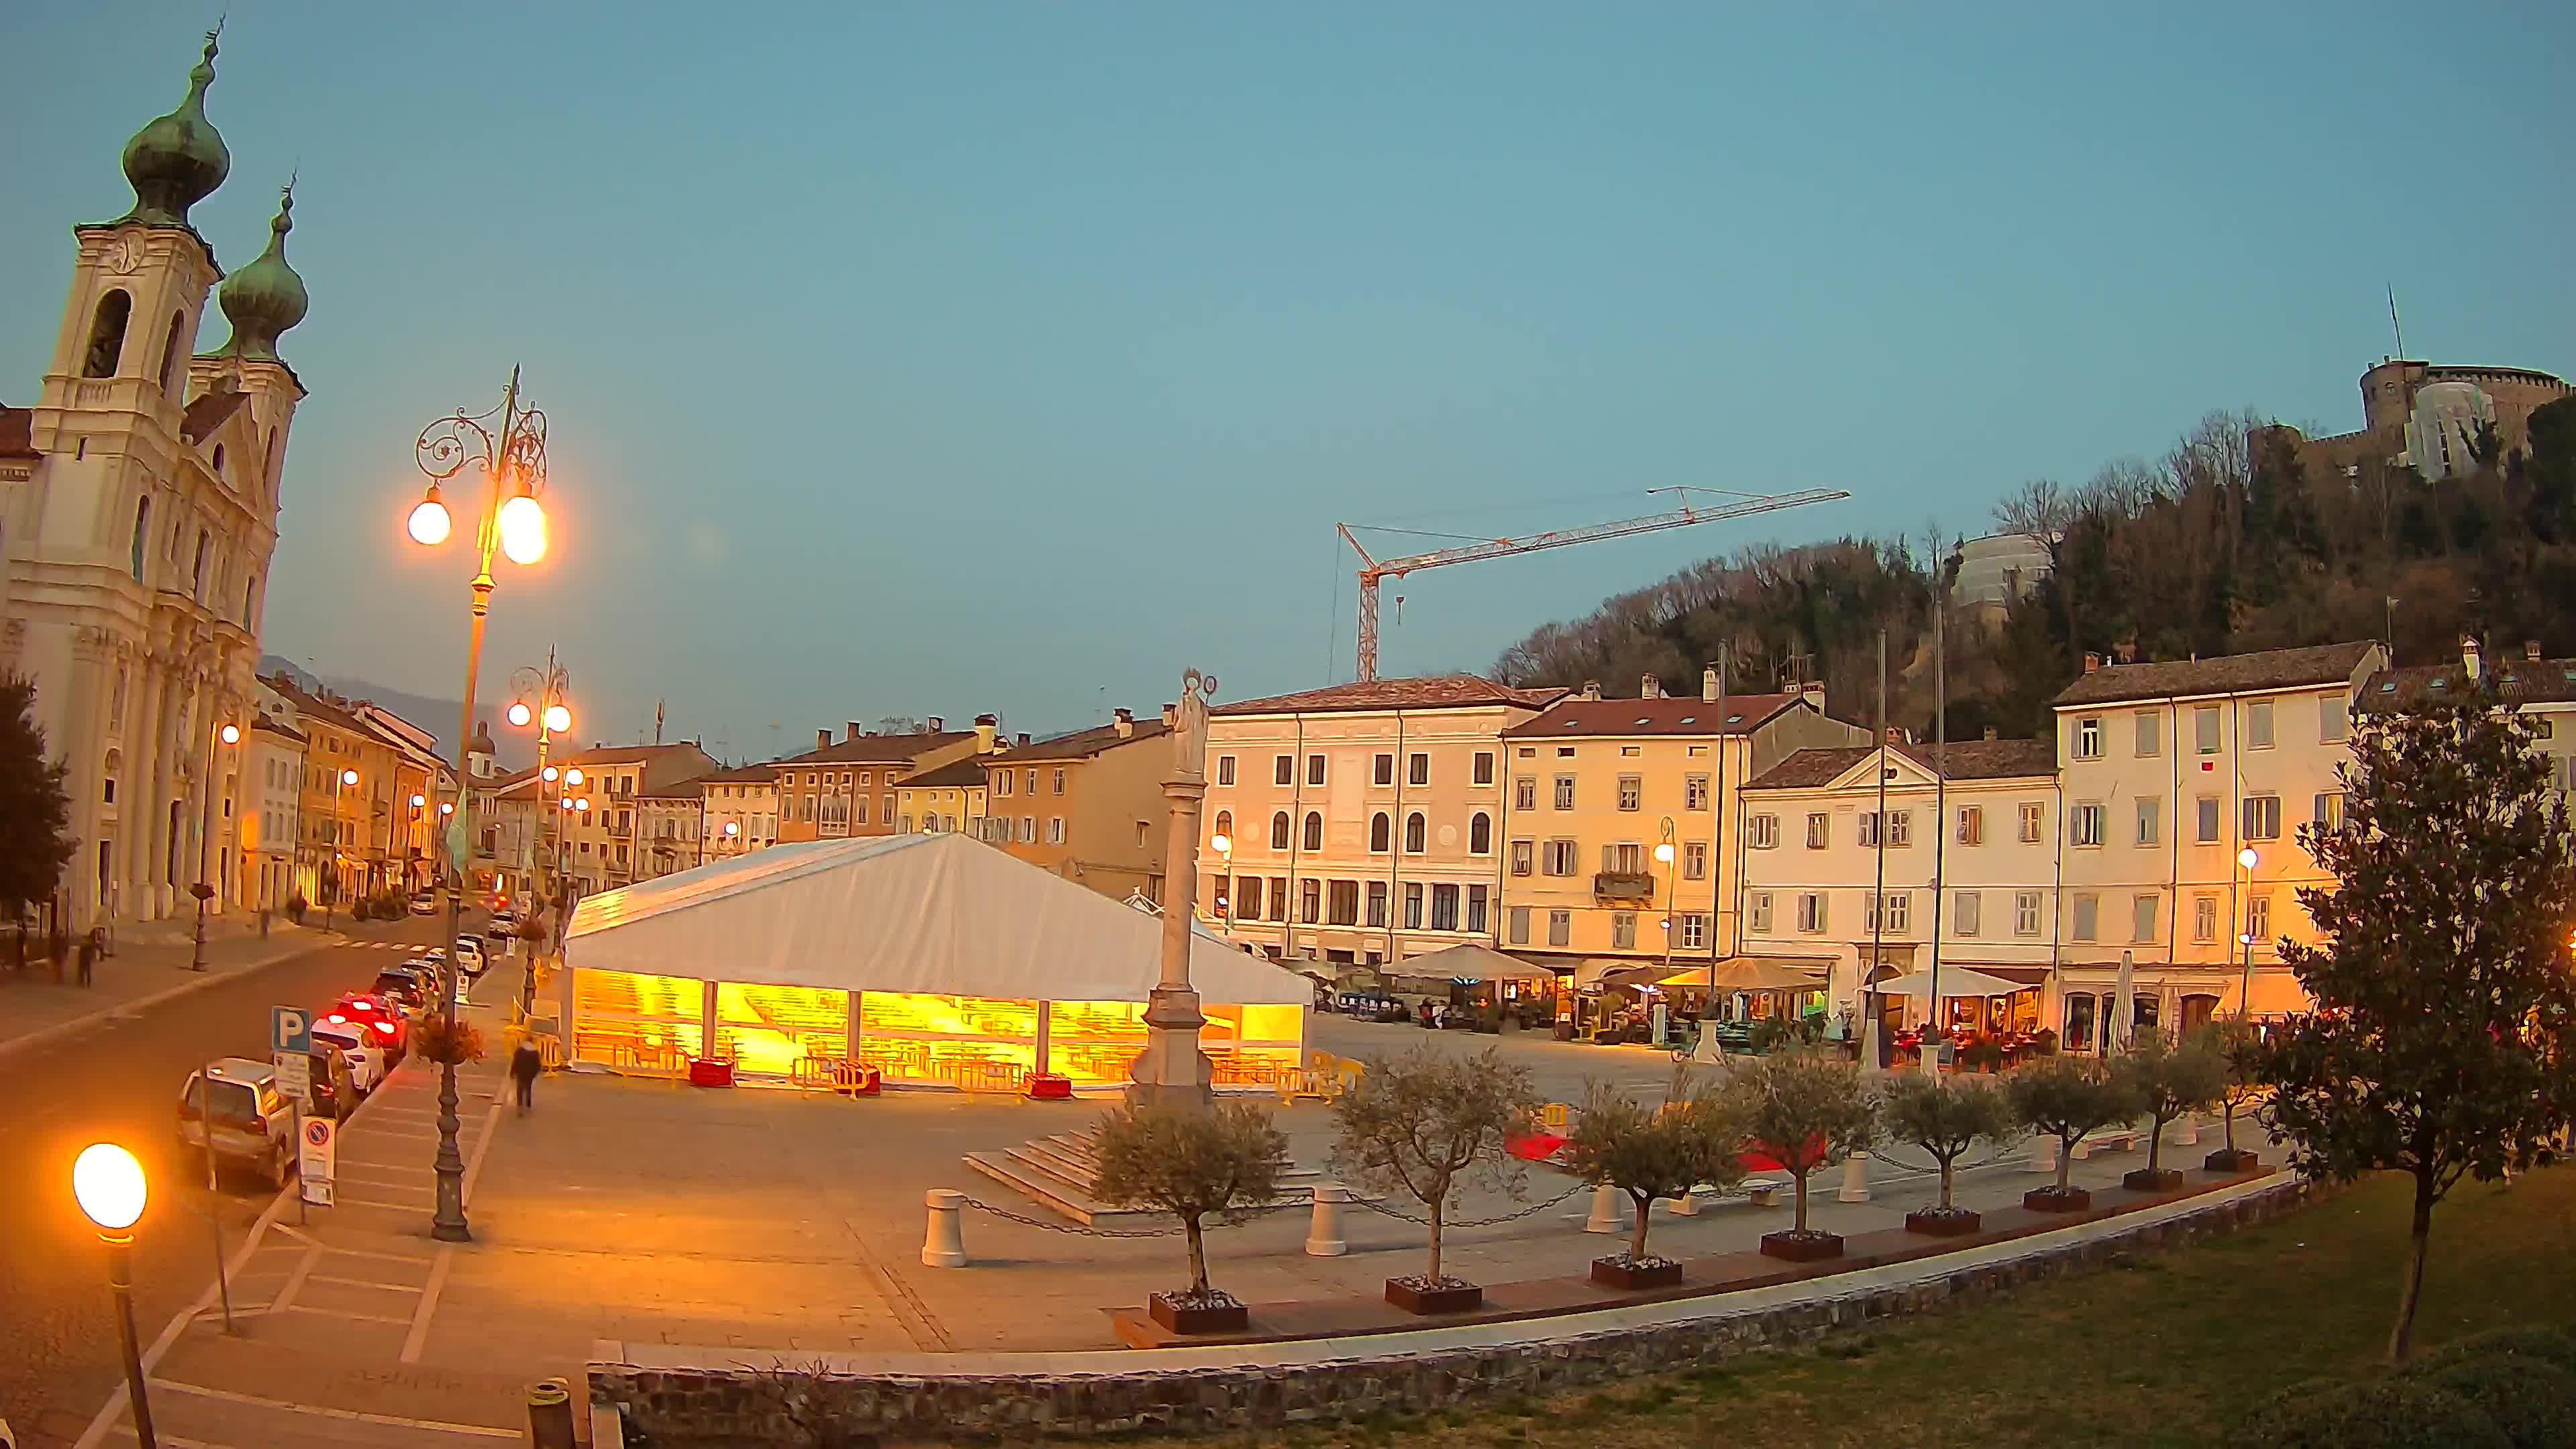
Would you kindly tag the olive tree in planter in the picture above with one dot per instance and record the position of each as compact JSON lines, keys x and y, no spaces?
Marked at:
{"x":1650,"y":1153}
{"x":1945,"y":1116}
{"x":1194,"y":1166}
{"x":2166,"y":1080}
{"x":2234,"y":1039}
{"x":1805,"y":1110}
{"x":1420,"y":1125}
{"x":2069,"y":1098}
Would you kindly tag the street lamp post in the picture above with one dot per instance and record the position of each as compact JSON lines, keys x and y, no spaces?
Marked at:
{"x":550,"y":716}
{"x":229,"y":735}
{"x":108,"y":1183}
{"x":2245,"y":933}
{"x":512,"y":520}
{"x":1223,"y":845}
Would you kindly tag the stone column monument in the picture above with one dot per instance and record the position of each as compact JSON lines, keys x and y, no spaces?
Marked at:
{"x":1172,"y":1072}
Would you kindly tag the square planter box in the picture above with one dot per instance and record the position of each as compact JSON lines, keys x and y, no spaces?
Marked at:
{"x":1413,"y":1297}
{"x":711,"y":1072}
{"x":1226,"y":1317}
{"x":2161,"y":1179}
{"x":1932,"y":1222}
{"x":2054,"y":1200}
{"x":1618,"y":1272}
{"x":2231,"y":1162}
{"x":1808,"y":1247}
{"x":1049,"y":1087}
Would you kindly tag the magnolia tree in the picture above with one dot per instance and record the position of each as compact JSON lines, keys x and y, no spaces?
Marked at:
{"x":1426,"y":1122}
{"x":1945,"y":1116}
{"x":1195,"y":1166}
{"x":2165,"y":1079}
{"x":1804,"y":1110}
{"x":2443,"y":1044}
{"x":1693,"y":1139}
{"x":2069,"y":1098}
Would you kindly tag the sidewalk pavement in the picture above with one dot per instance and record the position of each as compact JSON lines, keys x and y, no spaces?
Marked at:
{"x":332,"y":1312}
{"x":151,"y":963}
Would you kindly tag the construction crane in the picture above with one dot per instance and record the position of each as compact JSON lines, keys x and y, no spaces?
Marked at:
{"x":1373,"y":569}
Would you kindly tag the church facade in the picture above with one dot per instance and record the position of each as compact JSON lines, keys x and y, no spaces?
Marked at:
{"x":139,"y":501}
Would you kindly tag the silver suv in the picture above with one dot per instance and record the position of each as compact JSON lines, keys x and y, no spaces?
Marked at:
{"x":254,"y":1125}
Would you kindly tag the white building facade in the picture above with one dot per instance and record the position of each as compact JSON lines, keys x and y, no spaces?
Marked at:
{"x":1964,"y":874}
{"x":139,"y":502}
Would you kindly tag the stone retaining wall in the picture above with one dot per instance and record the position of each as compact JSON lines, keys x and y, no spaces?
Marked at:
{"x":731,"y":1406}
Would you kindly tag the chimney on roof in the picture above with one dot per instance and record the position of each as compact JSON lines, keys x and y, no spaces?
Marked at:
{"x":2126,"y":651}
{"x":1592,"y":689}
{"x":1171,"y":716}
{"x":2531,"y":650}
{"x":1990,"y":733}
{"x":822,"y":738}
{"x":2092,"y":661}
{"x":1708,"y":684}
{"x":1895,"y":736}
{"x":988,"y":728}
{"x":849,"y":729}
{"x":1123,"y":721}
{"x":2469,"y":657}
{"x":1021,"y":738}
{"x":1813,"y":691}
{"x":1650,"y":688}
{"x":938,"y":725}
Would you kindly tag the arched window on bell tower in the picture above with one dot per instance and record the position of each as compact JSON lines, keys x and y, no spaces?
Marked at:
{"x":172,"y":354}
{"x":107,"y":334}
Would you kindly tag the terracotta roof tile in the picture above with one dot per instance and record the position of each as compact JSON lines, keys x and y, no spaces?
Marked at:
{"x":1081,"y":744}
{"x":875,"y":749}
{"x":966,"y":773}
{"x":1967,"y":760}
{"x":270,"y":726}
{"x":1741,"y":714}
{"x":1439,"y":691}
{"x":2517,"y":681}
{"x":2225,"y":674}
{"x":764,"y":773}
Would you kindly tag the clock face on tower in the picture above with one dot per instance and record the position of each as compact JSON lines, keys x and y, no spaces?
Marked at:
{"x":125,"y":254}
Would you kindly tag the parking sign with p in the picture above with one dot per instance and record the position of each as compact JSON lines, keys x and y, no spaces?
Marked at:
{"x":290,"y":1029}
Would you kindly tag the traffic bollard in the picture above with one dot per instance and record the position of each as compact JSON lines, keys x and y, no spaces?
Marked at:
{"x":1855,"y":1186}
{"x":943,"y":1244}
{"x":1324,"y":1229}
{"x":1605,"y":1210}
{"x":2043,"y":1154}
{"x":550,"y":1414}
{"x":1687,"y":1205}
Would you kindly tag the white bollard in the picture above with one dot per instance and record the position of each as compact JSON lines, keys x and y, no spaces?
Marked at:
{"x":1605,"y":1210}
{"x":1324,"y":1229}
{"x":1855,"y":1186}
{"x":2043,"y":1153}
{"x":1687,"y":1205}
{"x":943,"y":1245}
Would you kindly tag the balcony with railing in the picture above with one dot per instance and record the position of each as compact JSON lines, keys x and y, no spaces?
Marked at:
{"x":1623,"y":885}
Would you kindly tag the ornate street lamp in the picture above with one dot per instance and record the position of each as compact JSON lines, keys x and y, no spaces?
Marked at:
{"x":512,"y":455}
{"x":108,"y":1184}
{"x":204,"y":892}
{"x":538,"y":700}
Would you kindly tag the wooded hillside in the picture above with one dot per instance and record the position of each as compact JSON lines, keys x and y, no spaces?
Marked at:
{"x":2224,"y":544}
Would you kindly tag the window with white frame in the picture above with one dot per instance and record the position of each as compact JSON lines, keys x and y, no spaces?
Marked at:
{"x":1224,"y":773}
{"x":2088,"y":737}
{"x":1694,"y":932}
{"x":1868,"y":833}
{"x":2142,"y":918}
{"x":2204,"y":918}
{"x":1381,"y":833}
{"x":1627,"y":857}
{"x":1820,"y":830}
{"x":2150,"y":819}
{"x":1314,"y":769}
{"x":1564,"y":792}
{"x":2034,"y":820}
{"x":1382,"y":770}
{"x":2088,"y":916}
{"x":1763,"y":831}
{"x":1557,"y":857}
{"x":1517,"y":924}
{"x":1967,"y":912}
{"x":2258,"y":725}
{"x":1757,"y":910}
{"x":2262,"y":817}
{"x":1416,"y":833}
{"x":1283,"y":770}
{"x":1417,"y":769}
{"x":2087,"y":826}
{"x":2328,"y":810}
{"x":2258,"y":917}
{"x":1900,"y":827}
{"x":1632,"y":792}
{"x":1524,"y":792}
{"x":2334,"y":719}
{"x":1811,"y":912}
{"x":1480,"y":834}
{"x":2204,"y":729}
{"x":2205,"y":820}
{"x":1524,"y":856}
{"x":1695,"y":792}
{"x":1623,"y":930}
{"x":2026,"y":913}
{"x":1560,"y":927}
{"x":1484,"y":772}
{"x":2150,"y":734}
{"x":1314,"y":831}
{"x":1972,"y":825}
{"x":1694,"y":860}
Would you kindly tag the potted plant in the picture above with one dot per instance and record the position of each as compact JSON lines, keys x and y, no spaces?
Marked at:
{"x":1982,"y":1054}
{"x":2166,"y":1080}
{"x":1804,"y":1110}
{"x":1420,"y":1125}
{"x":2043,"y":1042}
{"x":2235,"y":1040}
{"x":446,"y":1040}
{"x":2068,"y":1098}
{"x":1945,"y":1116}
{"x":1194,"y":1166}
{"x":1650,"y":1153}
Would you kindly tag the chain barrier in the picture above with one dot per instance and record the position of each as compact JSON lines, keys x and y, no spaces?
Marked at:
{"x":1233,"y":1219}
{"x":1424,"y":1222}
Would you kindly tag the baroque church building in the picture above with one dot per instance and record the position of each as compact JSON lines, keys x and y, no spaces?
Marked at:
{"x":138,"y":514}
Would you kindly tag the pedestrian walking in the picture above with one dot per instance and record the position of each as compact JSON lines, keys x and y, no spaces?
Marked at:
{"x":525,"y":1063}
{"x":88,"y":958}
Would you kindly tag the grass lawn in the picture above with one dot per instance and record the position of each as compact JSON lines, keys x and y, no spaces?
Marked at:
{"x":2172,"y":1349}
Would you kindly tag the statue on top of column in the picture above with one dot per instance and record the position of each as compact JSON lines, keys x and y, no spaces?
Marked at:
{"x":1189,"y":722}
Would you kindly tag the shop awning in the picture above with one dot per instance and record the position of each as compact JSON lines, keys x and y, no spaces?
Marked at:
{"x":1470,"y":962}
{"x":2276,"y":993}
{"x":945,"y":914}
{"x":1758,"y":973}
{"x":1955,"y":981}
{"x":1628,"y":977}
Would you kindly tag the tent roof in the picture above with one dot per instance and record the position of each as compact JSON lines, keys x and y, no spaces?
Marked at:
{"x":1758,"y":973}
{"x":930,"y":913}
{"x":1955,"y":981}
{"x":1466,"y":961}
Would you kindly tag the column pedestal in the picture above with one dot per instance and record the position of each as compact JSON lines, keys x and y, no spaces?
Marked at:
{"x":1172,"y":1071}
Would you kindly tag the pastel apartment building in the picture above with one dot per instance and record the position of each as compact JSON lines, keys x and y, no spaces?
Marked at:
{"x":1089,"y":805}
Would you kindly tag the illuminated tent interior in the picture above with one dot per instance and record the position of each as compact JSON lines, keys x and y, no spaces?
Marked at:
{"x":936,"y":958}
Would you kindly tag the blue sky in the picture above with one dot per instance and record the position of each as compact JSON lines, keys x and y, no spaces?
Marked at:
{"x":937,"y":358}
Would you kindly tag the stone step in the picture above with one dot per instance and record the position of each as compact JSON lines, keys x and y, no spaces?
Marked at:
{"x":1054,"y":1193}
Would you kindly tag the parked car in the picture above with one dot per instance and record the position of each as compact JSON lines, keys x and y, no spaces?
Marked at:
{"x":369,"y":1050}
{"x":469,"y":955}
{"x":406,"y":987}
{"x":335,"y":1091}
{"x":252,"y":1122}
{"x":424,"y":904}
